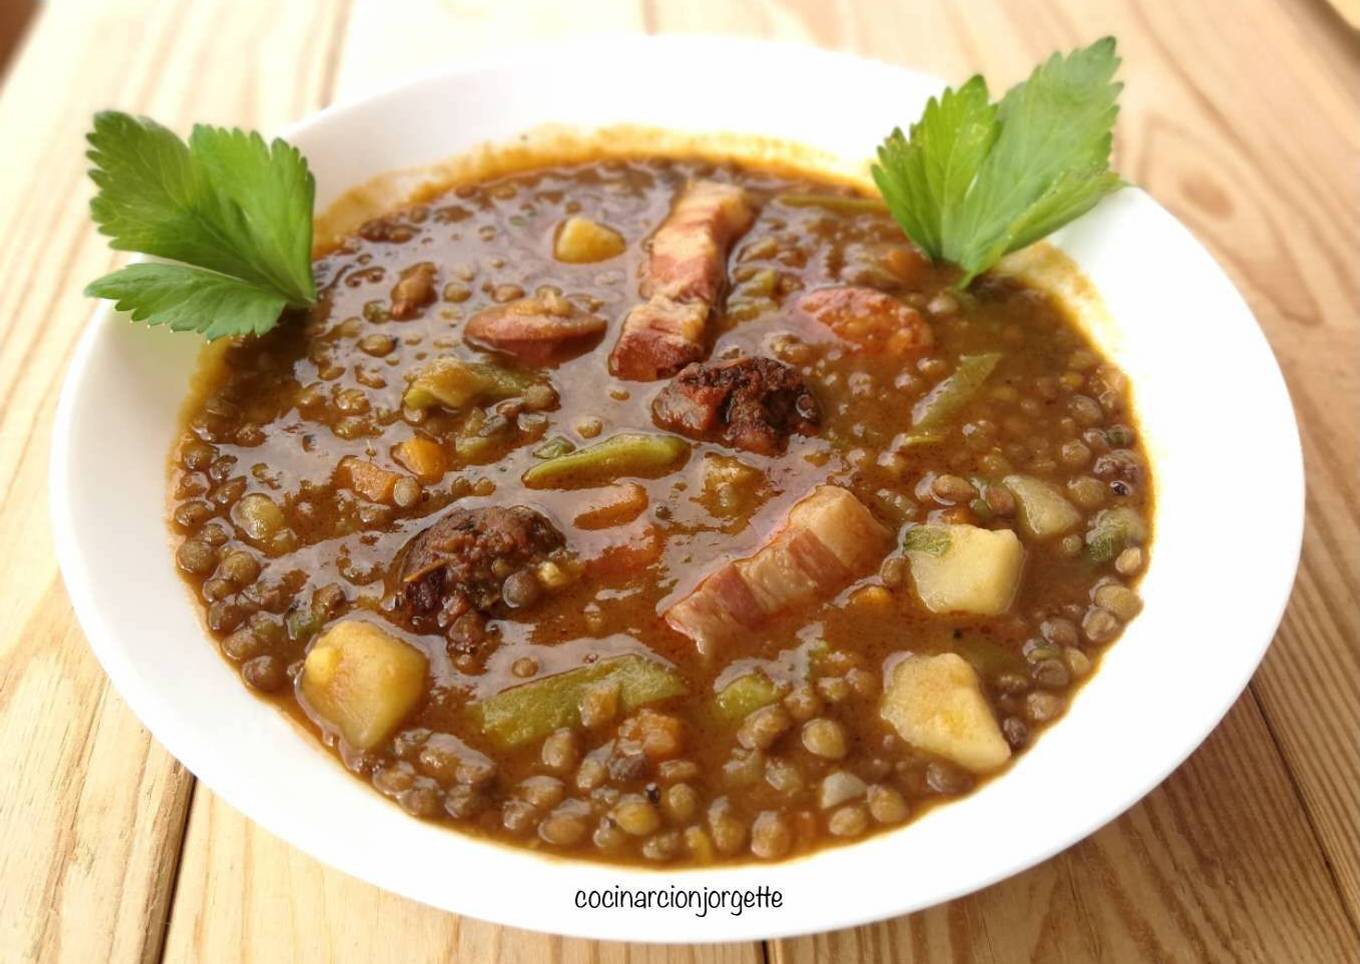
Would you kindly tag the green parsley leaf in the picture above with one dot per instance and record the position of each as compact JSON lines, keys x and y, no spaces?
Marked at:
{"x":190,"y":299}
{"x":974,"y":180}
{"x":234,"y":210}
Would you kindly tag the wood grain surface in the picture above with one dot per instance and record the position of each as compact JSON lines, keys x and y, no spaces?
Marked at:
{"x":1241,"y":116}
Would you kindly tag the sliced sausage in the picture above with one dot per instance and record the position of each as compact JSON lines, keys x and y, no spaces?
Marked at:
{"x":868,"y":318}
{"x":539,"y":330}
{"x":471,"y":564}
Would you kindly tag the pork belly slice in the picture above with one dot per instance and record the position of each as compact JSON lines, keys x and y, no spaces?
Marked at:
{"x":659,"y":337}
{"x":682,"y":280}
{"x":687,"y":259}
{"x":828,"y":540}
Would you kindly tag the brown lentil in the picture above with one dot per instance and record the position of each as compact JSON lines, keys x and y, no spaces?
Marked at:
{"x":761,"y":728}
{"x":1129,"y":562}
{"x":771,"y":835}
{"x":886,"y":805}
{"x":825,"y":738}
{"x":564,"y":827}
{"x":1120,"y":600}
{"x":1099,"y":625}
{"x":849,"y":821}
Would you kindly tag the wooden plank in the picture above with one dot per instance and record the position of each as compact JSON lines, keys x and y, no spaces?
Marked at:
{"x":1347,"y":10}
{"x":1218,"y":864}
{"x":1241,"y":117}
{"x":245,"y":896}
{"x":93,"y":810}
{"x":14,"y":19}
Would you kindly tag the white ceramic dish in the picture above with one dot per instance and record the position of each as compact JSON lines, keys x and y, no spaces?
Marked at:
{"x":1208,"y":392}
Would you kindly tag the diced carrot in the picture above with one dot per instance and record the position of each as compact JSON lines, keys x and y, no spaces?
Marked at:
{"x":661,"y":736}
{"x":365,"y":478}
{"x":423,"y":457}
{"x":618,"y":504}
{"x":871,"y":597}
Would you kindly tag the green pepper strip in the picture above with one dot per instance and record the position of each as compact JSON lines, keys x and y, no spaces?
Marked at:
{"x":531,"y":711}
{"x":627,"y":454}
{"x":931,"y":415}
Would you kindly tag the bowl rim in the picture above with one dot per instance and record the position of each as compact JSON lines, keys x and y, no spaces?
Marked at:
{"x":151,"y":709}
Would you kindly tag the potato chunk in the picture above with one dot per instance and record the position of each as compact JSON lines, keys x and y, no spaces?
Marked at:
{"x":936,"y":704}
{"x":583,"y":241}
{"x":362,"y":680}
{"x":962,"y":568}
{"x":1044,"y":512}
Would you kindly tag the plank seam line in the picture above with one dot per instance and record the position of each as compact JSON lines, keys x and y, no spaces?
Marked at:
{"x":1327,"y":862}
{"x":1343,"y":26}
{"x":175,"y":872}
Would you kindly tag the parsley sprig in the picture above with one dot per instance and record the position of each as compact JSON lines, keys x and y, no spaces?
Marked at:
{"x":976,"y":180}
{"x":233,"y":213}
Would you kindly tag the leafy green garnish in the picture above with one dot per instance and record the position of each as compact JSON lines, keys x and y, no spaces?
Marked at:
{"x":932,"y":540}
{"x":234,"y":211}
{"x":976,"y":180}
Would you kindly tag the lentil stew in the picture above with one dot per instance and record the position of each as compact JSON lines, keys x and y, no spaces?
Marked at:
{"x":662,"y":511}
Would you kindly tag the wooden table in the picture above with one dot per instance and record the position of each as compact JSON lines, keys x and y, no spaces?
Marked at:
{"x":1242,"y":116}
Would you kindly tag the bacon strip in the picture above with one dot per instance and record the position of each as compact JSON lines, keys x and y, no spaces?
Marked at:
{"x":828,"y":540}
{"x":684,"y":275}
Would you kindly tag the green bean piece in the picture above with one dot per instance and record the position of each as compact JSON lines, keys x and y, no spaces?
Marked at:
{"x":1114,"y":530}
{"x":453,"y":383}
{"x":626,"y":454}
{"x":836,"y":203}
{"x":931,"y":415}
{"x":302,"y":624}
{"x":530,"y":711}
{"x":555,"y":448}
{"x":744,"y":695}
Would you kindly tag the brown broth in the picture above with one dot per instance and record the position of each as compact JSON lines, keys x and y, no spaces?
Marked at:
{"x":277,"y":414}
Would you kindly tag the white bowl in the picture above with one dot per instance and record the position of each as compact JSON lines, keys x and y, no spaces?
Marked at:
{"x":1210,"y":398}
